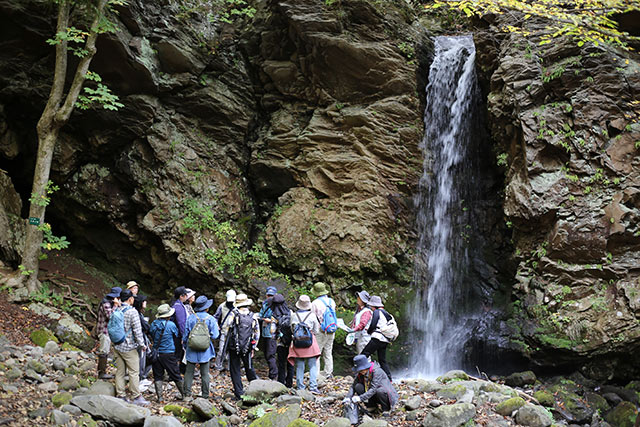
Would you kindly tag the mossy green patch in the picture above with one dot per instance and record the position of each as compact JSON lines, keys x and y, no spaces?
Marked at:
{"x":544,"y":398}
{"x":68,"y":347}
{"x":507,"y":407}
{"x":87,"y":421}
{"x":60,"y":399}
{"x":452,"y":391}
{"x":302,"y":423}
{"x":84,"y":383}
{"x":42,"y":336}
{"x":623,"y":415}
{"x":185,"y":414}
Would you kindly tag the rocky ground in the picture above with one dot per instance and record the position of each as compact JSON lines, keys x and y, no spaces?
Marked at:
{"x":55,"y":384}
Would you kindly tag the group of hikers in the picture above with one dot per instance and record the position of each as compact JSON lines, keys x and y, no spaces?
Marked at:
{"x":184,"y":335}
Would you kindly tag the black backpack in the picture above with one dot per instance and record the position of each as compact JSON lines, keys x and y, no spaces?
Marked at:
{"x":302,"y":335}
{"x":241,"y":332}
{"x":283,"y":315}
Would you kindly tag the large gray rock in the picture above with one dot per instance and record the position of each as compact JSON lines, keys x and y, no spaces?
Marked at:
{"x":51,"y":347}
{"x":450,"y":415}
{"x":287,"y":399}
{"x":519,"y":379}
{"x":278,"y":418}
{"x":265,"y":389}
{"x":69,"y":383}
{"x":413,"y":402}
{"x":59,"y":418}
{"x":374,"y":423}
{"x":533,"y":416}
{"x":204,"y":408}
{"x":103,"y":388}
{"x":112,"y":409}
{"x":338,"y":422}
{"x":158,"y":421}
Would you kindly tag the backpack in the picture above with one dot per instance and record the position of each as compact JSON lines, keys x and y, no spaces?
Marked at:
{"x":302,"y":336}
{"x":390,"y":330}
{"x":284,"y":327}
{"x":199,"y":339}
{"x":115,"y":327}
{"x":241,"y":332}
{"x":329,"y":319}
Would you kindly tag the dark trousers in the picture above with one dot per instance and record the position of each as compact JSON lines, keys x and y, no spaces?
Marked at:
{"x":235,"y":361}
{"x":270,"y":346}
{"x":285,"y":369}
{"x":380,"y":347}
{"x":179,"y":356}
{"x":379,"y":398}
{"x":166,"y":362}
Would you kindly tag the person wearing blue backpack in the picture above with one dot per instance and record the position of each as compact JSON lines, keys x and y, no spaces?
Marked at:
{"x":268,"y":332}
{"x":324,"y":308}
{"x":125,"y":333}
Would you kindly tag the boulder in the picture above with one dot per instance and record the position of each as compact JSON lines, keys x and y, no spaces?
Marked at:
{"x":204,"y":408}
{"x":185,"y":414}
{"x":452,"y":391}
{"x":265,"y":389}
{"x":69,"y":383}
{"x":374,"y":423}
{"x":413,"y":402}
{"x":59,"y":418}
{"x":111,"y":409}
{"x":221,"y":422}
{"x":158,"y":421}
{"x":520,"y":379}
{"x":544,"y":398}
{"x":228,"y":408}
{"x":37,"y":366}
{"x":306,"y":395}
{"x":287,"y":399}
{"x":51,"y":347}
{"x":338,"y":422}
{"x":70,"y":409}
{"x":13,"y":374}
{"x":49,"y":386}
{"x":533,"y":416}
{"x":453,"y":375}
{"x":450,"y":415}
{"x":509,"y":406}
{"x":32,"y":375}
{"x":277,"y":418}
{"x":299,"y":422}
{"x":259,"y":410}
{"x":59,"y":365}
{"x":103,"y":388}
{"x":622,"y":415}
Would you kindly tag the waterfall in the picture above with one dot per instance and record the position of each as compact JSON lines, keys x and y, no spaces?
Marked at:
{"x":440,"y":316}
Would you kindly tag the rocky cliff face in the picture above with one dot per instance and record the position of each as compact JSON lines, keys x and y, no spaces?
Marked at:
{"x":281,"y":147}
{"x":566,"y":123}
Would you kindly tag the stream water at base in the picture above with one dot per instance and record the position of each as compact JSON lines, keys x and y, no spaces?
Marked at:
{"x":440,"y":321}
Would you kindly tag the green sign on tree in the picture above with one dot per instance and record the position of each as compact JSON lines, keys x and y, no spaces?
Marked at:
{"x":34,"y":221}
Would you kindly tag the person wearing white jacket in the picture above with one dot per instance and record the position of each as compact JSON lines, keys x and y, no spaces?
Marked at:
{"x":379,"y":342}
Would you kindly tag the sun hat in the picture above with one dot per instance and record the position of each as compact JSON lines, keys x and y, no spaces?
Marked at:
{"x":376,"y":301}
{"x":231,"y":295}
{"x":125,"y":295}
{"x":164,"y":311}
{"x":364,"y":296}
{"x":361,"y":362}
{"x":304,"y":302}
{"x":190,"y":293}
{"x":131,"y":284}
{"x":115,"y":292}
{"x":242,"y":300}
{"x":319,"y":289}
{"x":271,"y":290}
{"x":202,"y":303}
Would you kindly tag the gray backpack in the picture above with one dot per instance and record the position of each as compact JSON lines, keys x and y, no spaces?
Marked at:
{"x":199,"y":339}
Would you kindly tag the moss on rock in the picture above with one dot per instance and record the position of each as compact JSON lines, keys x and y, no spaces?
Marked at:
{"x":302,"y":423}
{"x":507,"y":407}
{"x":61,"y":399}
{"x":42,"y":336}
{"x":186,"y":414}
{"x":544,"y":398}
{"x":623,"y":415}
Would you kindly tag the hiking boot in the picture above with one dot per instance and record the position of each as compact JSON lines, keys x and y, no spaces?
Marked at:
{"x":102,"y":369}
{"x":314,"y":391}
{"x":158,"y":385}
{"x":140,"y":401}
{"x":180,"y":387}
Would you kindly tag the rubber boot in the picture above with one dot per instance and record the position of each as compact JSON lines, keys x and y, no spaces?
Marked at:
{"x":158,"y":385}
{"x":180,"y":387}
{"x":102,"y":368}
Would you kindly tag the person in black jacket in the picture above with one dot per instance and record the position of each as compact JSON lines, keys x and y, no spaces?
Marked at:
{"x":379,"y":342}
{"x":282,"y":314}
{"x":140,"y":304}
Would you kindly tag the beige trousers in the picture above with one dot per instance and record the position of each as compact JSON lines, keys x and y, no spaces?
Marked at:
{"x":128,"y":361}
{"x":325,"y":342}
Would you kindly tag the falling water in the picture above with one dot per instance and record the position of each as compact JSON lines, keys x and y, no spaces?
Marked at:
{"x":439,"y":318}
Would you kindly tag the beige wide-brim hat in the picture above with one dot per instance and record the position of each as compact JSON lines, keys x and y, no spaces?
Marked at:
{"x":304,"y":302}
{"x":242,"y":300}
{"x":131,"y":284}
{"x":164,"y":311}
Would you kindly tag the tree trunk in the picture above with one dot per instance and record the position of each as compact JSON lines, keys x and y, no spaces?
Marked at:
{"x":47,"y":136}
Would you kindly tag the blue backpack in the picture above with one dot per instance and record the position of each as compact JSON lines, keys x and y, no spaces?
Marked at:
{"x":302,"y":336}
{"x":329,"y":319}
{"x":115,"y":327}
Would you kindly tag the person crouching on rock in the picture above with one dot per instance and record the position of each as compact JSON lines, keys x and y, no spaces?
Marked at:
{"x":164,"y":334}
{"x":371,"y":386}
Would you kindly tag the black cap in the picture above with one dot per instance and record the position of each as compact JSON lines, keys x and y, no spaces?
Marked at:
{"x":125,"y":295}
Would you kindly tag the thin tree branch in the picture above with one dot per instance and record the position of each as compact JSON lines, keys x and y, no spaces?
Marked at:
{"x":80,"y":75}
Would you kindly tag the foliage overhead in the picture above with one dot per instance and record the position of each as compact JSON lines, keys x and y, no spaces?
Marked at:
{"x":585,"y":20}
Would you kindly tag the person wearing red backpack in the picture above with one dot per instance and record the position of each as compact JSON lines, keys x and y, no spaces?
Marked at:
{"x":326,"y":334}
